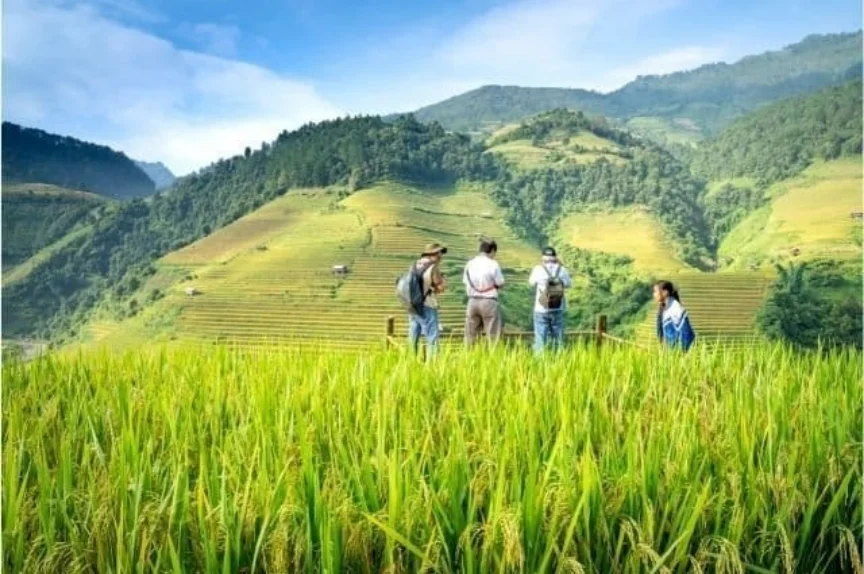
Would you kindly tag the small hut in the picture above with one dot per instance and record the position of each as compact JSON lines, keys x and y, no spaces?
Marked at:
{"x":859,"y":215}
{"x":340,"y":270}
{"x":191,"y":291}
{"x":796,"y":252}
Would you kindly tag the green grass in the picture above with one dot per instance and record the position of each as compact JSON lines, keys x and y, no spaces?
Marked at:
{"x":810,"y":212}
{"x":631,"y":232}
{"x":619,"y":461}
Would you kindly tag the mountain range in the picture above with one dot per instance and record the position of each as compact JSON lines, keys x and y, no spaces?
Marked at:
{"x":536,"y":170}
{"x":697,"y":102}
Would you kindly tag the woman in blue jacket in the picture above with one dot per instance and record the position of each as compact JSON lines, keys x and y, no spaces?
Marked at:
{"x":673,"y":324}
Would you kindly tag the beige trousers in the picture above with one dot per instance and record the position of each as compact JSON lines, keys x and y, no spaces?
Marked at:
{"x":483,"y":315}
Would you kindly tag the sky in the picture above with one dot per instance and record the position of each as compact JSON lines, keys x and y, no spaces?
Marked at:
{"x":187,"y":82}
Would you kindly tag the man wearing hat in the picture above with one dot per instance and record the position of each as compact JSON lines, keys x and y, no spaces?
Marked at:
{"x":549,"y":279}
{"x":433,"y":284}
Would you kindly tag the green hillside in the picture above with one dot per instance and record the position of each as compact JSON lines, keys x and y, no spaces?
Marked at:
{"x":674,"y":107}
{"x":810,"y":216}
{"x":102,"y":269}
{"x":267,"y":278}
{"x":38,"y":215}
{"x":560,"y":138}
{"x":31,"y":155}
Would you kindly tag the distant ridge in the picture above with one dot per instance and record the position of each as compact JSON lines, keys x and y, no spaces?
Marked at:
{"x":708,"y":97}
{"x":158,"y":173}
{"x":35,"y":156}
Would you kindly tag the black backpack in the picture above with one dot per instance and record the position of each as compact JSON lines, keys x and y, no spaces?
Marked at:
{"x":552,"y":296}
{"x":409,"y":289}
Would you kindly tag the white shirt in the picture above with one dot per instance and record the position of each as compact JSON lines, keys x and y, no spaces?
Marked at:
{"x":485,"y":275}
{"x":539,"y":278}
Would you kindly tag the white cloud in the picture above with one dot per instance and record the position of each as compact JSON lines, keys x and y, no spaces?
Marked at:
{"x":541,"y":42}
{"x":685,"y":58}
{"x":217,"y":39}
{"x":99,"y":80}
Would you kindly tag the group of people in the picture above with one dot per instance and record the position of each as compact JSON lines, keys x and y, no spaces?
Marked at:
{"x":483,"y":281}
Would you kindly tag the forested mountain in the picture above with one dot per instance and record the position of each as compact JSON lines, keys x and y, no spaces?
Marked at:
{"x":708,"y":97}
{"x":34,"y":156}
{"x":495,"y":105}
{"x":160,"y":175}
{"x":781,"y":140}
{"x":113,"y":259}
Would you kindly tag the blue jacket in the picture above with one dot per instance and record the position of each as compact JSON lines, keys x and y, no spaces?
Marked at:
{"x":673,"y":326}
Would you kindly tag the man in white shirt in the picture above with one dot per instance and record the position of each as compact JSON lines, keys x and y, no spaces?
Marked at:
{"x":483,"y":279}
{"x":549,"y":279}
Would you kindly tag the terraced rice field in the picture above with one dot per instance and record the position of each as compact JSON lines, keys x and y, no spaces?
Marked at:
{"x":810,"y":212}
{"x":722,"y":306}
{"x":283,"y":291}
{"x":631,"y":232}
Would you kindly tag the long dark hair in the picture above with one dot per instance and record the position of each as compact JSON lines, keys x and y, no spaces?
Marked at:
{"x":669,"y":288}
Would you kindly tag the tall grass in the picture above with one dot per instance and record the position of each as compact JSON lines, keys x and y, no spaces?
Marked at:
{"x":612,"y":461}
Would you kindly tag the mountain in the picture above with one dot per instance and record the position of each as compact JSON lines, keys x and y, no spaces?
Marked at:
{"x":781,"y":140}
{"x":117,"y":257}
{"x":700,"y":101}
{"x":158,"y":173}
{"x":34,"y":156}
{"x":489,"y":107}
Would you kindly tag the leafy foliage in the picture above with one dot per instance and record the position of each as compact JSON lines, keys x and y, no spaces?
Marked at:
{"x":815,"y":304}
{"x":728,"y":206}
{"x":535,"y":200}
{"x":781,"y":140}
{"x":34,"y":156}
{"x":117,"y":257}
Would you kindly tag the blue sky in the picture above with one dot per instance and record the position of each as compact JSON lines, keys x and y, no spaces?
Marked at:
{"x":188,"y":81}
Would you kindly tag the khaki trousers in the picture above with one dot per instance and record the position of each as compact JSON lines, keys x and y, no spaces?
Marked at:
{"x":483,"y":315}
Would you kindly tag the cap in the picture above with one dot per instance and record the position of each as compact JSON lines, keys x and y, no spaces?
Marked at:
{"x":434,"y":249}
{"x":549,"y":252}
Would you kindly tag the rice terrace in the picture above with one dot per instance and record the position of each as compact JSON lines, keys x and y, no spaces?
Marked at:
{"x":637,"y":313}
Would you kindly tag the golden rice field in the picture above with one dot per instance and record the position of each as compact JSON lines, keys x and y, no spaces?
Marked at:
{"x":267,"y":278}
{"x":810,"y":212}
{"x":618,"y":460}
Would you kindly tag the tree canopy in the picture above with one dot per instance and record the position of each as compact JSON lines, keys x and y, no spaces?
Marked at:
{"x":35,"y":156}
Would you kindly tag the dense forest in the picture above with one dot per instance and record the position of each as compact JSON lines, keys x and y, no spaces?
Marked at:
{"x":815,"y":304}
{"x":709,"y":97}
{"x":114,"y":259}
{"x":781,"y":140}
{"x":33,"y":156}
{"x":33,"y":220}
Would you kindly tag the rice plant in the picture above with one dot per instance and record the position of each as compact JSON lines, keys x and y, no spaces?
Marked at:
{"x":617,"y":460}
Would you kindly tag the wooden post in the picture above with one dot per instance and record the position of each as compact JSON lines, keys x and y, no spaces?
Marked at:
{"x":601,"y":329}
{"x":391,"y":330}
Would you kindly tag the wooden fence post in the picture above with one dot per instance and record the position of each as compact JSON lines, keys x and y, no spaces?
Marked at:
{"x":391,"y":330}
{"x":601,"y":329}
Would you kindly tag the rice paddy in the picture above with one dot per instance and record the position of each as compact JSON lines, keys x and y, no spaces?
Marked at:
{"x":267,"y":279}
{"x":810,"y":213}
{"x":617,"y":460}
